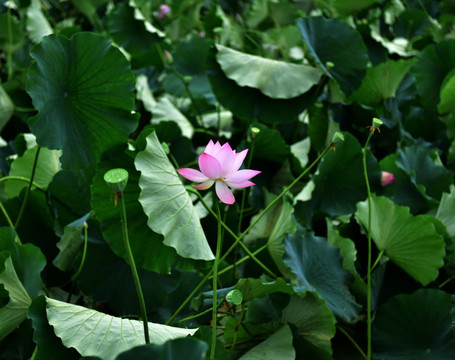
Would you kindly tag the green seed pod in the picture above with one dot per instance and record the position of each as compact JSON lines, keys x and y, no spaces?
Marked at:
{"x":116,"y":179}
{"x":234,"y":297}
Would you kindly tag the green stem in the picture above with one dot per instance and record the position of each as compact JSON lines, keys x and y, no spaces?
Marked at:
{"x":29,"y":187}
{"x":189,"y":297}
{"x":215,"y":277}
{"x":5,"y":213}
{"x":137,"y":282}
{"x":369,"y":292}
{"x":238,"y":262}
{"x":84,"y":252}
{"x":228,"y":229}
{"x":9,"y":50}
{"x":21,"y":178}
{"x":352,"y":341}
{"x":377,"y":260}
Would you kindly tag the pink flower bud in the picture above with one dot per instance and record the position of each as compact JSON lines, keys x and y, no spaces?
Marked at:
{"x":164,"y":10}
{"x":387,"y":178}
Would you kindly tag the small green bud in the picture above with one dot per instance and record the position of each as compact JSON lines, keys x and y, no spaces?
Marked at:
{"x":337,"y":137}
{"x":116,"y":179}
{"x":165,"y":148}
{"x":329,"y":65}
{"x":234,"y":297}
{"x":187,"y":79}
{"x":255,"y":131}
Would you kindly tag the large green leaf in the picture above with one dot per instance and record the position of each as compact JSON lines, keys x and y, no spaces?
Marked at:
{"x":93,"y":333}
{"x":249,"y":103}
{"x":188,"y":348}
{"x":352,"y":6}
{"x":314,"y":322}
{"x":146,"y":245}
{"x":276,"y":79}
{"x":416,"y":326}
{"x":278,"y":346}
{"x":83,"y":89}
{"x":163,"y":193}
{"x":15,"y":311}
{"x":318,"y":267}
{"x":47,"y":166}
{"x":382,"y":81}
{"x":331,"y":40}
{"x":409,"y":241}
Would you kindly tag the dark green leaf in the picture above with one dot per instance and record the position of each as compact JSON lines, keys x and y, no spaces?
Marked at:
{"x":331,"y":40}
{"x":318,"y":267}
{"x":416,"y":326}
{"x":83,"y":91}
{"x":188,"y":348}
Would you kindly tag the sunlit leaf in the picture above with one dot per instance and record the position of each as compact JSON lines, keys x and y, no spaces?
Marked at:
{"x":318,"y":267}
{"x":446,"y":210}
{"x":409,"y":241}
{"x":163,"y":193}
{"x":6,"y":108}
{"x":37,"y":25}
{"x":49,"y":346}
{"x":447,"y":95}
{"x":416,"y":326}
{"x":83,"y":89}
{"x":276,"y":79}
{"x":93,"y":333}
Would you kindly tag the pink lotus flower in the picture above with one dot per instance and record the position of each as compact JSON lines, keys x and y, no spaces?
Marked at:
{"x":387,"y":178}
{"x":220,"y":165}
{"x":164,"y":10}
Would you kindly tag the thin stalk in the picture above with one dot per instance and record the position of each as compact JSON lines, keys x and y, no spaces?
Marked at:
{"x":377,"y":260}
{"x":215,"y":277}
{"x":21,"y":178}
{"x":274,"y":201}
{"x":137,"y":282}
{"x":5,"y":213}
{"x":238,"y":262}
{"x":369,"y":292}
{"x":189,"y":297}
{"x":9,"y":51}
{"x":84,"y":252}
{"x":228,"y":229}
{"x":27,"y":192}
{"x":351,"y":339}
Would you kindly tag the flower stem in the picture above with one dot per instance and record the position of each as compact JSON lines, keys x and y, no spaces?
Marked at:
{"x":27,"y":192}
{"x":351,"y":339}
{"x":129,"y":253}
{"x":84,"y":252}
{"x":369,"y":292}
{"x":215,"y":277}
{"x":237,"y":239}
{"x":228,"y":229}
